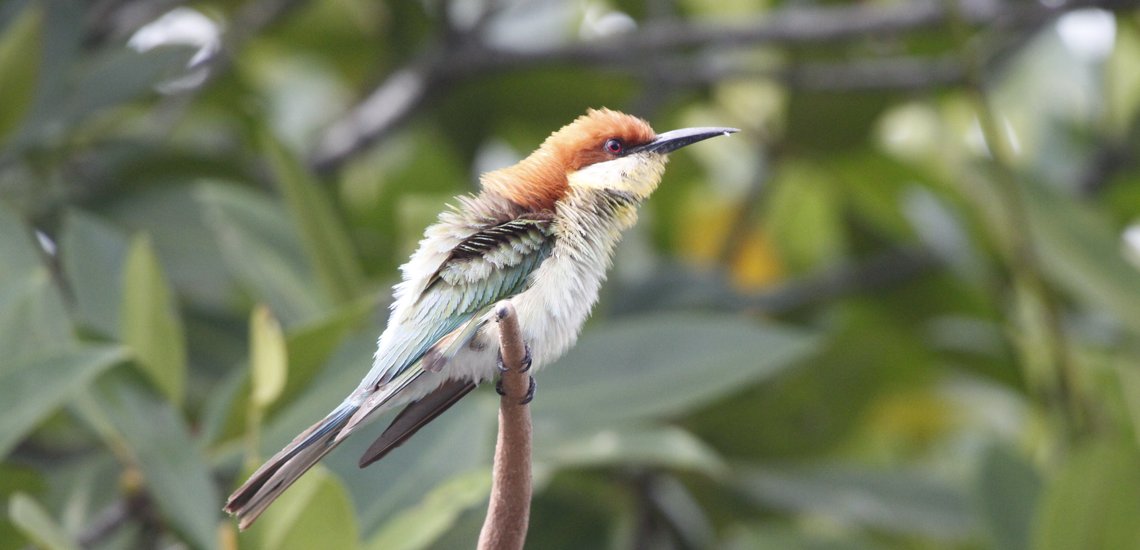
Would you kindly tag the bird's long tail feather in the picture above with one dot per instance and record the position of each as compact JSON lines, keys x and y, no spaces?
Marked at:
{"x":280,"y":471}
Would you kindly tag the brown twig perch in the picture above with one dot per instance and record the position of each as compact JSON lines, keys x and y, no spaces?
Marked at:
{"x":509,"y":512}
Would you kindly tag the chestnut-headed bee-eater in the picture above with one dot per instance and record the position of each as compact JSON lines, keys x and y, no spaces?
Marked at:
{"x":541,"y":234}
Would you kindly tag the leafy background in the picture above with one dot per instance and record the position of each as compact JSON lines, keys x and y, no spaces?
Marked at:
{"x":900,"y":309}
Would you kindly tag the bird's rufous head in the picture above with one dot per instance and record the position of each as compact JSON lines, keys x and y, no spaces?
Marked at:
{"x":600,"y":136}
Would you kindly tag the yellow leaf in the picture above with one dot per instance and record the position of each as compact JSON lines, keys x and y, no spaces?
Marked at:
{"x":268,"y":362}
{"x":756,"y":264}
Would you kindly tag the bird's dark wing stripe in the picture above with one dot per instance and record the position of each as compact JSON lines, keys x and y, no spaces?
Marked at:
{"x":510,"y":232}
{"x":468,"y":283}
{"x":414,"y":417}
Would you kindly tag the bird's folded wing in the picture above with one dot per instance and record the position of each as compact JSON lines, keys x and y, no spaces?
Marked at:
{"x":492,"y":264}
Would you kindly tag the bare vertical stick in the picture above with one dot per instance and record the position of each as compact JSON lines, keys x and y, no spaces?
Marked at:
{"x":509,"y":512}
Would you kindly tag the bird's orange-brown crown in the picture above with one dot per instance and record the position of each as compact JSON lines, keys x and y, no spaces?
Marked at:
{"x":539,"y":181}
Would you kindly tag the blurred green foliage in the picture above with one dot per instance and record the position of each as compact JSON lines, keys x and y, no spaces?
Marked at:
{"x":901,"y":309}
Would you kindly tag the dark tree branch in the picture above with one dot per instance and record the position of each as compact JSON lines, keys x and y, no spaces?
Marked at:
{"x":907,"y":73}
{"x":464,"y":56}
{"x":815,"y":25}
{"x":112,"y":517}
{"x":385,"y":109}
{"x":786,"y":27}
{"x":132,"y":507}
{"x":509,"y":513}
{"x":889,"y":73}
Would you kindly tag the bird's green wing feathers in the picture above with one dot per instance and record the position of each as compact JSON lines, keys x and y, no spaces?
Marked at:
{"x":492,"y":264}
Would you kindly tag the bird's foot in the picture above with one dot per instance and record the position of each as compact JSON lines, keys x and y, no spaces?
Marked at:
{"x":529,"y":390}
{"x":526,"y":360}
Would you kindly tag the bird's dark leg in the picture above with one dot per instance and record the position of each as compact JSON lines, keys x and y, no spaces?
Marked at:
{"x":527,"y":361}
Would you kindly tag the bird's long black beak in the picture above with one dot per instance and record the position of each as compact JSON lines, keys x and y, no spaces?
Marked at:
{"x":676,"y":139}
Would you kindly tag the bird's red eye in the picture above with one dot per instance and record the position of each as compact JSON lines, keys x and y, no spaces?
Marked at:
{"x":614,"y":146}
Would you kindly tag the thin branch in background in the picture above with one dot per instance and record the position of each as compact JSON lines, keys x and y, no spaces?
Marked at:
{"x":133,"y":507}
{"x":784,"y":27}
{"x":667,"y":514}
{"x":1024,"y":264}
{"x":860,"y":75}
{"x":1019,"y":249}
{"x":466,"y":56}
{"x":371,"y":120}
{"x":508,"y":515}
{"x":112,"y":517}
{"x":899,"y":73}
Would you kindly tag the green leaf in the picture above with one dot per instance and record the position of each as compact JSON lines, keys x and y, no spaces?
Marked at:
{"x":34,"y":390}
{"x":93,"y":253}
{"x":60,"y":42}
{"x":224,"y":414}
{"x":310,"y":345}
{"x":72,"y":88}
{"x":1123,"y":83}
{"x":774,"y":536}
{"x":151,"y":325}
{"x":262,"y":250}
{"x":804,"y":216}
{"x":14,"y":479}
{"x":420,"y":526}
{"x":19,"y":59}
{"x":1129,"y":379}
{"x":1080,"y":252}
{"x":37,"y":524}
{"x":668,"y":447}
{"x":1007,"y":495}
{"x":21,"y":257}
{"x":172,"y":214}
{"x":898,"y":501}
{"x":268,"y":362}
{"x":646,"y":367}
{"x":1093,"y":502}
{"x":175,"y":472}
{"x":314,"y":513}
{"x":119,"y":75}
{"x":323,"y":236}
{"x":33,"y":320}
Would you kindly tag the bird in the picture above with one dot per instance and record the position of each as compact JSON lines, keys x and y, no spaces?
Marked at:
{"x":540,"y":233}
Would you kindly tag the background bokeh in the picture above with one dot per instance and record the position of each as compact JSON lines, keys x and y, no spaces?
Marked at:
{"x":900,"y":309}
